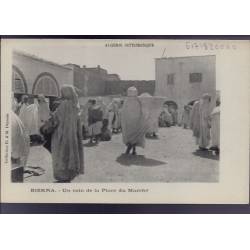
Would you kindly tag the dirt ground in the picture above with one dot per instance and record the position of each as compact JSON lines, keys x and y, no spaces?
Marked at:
{"x":173,"y":157}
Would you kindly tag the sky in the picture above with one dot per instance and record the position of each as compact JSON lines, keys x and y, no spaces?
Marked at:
{"x":130,"y":63}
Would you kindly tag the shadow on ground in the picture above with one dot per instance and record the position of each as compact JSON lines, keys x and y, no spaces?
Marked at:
{"x":206,"y":154}
{"x":139,"y":160}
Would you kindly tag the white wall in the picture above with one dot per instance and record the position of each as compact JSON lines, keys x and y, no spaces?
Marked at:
{"x":31,"y":68}
{"x":183,"y":91}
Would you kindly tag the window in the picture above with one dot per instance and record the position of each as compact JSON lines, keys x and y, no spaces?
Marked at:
{"x":18,"y":82}
{"x":170,"y":79}
{"x":195,"y":77}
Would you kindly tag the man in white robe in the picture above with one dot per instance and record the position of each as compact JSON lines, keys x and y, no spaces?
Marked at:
{"x":14,"y":104}
{"x":29,"y":117}
{"x":95,"y":121}
{"x":43,"y":110}
{"x":200,"y":121}
{"x":133,"y":120}
{"x":215,"y":128}
{"x":204,"y":138}
{"x":113,"y":115}
{"x":19,"y":148}
{"x":153,"y":107}
{"x":186,"y":116}
{"x":195,"y":119}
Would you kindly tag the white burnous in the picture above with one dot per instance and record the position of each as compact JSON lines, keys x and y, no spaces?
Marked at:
{"x":139,"y":115}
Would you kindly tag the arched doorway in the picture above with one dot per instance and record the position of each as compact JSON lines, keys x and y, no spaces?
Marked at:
{"x":46,"y":84}
{"x":19,"y":85}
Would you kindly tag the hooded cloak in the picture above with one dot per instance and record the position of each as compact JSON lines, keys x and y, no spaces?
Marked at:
{"x":215,"y":127}
{"x":20,"y":143}
{"x":29,"y":117}
{"x":133,"y":120}
{"x":204,"y":109}
{"x":43,"y":110}
{"x":195,"y":119}
{"x":66,"y":145}
{"x":152,"y":106}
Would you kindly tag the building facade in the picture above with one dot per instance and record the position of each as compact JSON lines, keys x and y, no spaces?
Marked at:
{"x":33,"y":75}
{"x":98,"y":82}
{"x":120,"y":87}
{"x":185,"y":79}
{"x":91,"y":81}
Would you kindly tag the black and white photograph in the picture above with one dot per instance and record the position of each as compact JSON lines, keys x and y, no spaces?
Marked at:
{"x":114,"y":111}
{"x":125,"y":114}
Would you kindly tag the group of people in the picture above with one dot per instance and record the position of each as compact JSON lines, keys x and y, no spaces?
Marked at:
{"x":168,"y":116}
{"x":99,"y":120}
{"x":33,"y":112}
{"x":63,"y":128}
{"x":27,"y":117}
{"x":139,"y":118}
{"x":204,"y":123}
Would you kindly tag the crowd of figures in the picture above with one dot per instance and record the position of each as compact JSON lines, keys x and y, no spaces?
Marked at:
{"x":62,"y":127}
{"x":100,"y":121}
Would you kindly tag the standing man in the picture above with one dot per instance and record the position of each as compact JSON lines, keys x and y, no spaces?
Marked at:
{"x":43,"y":110}
{"x":134,"y":124}
{"x":200,"y":121}
{"x":215,"y":128}
{"x":113,"y":115}
{"x":20,"y":146}
{"x":186,"y":116}
{"x":152,"y":106}
{"x":29,"y":117}
{"x":95,"y":122}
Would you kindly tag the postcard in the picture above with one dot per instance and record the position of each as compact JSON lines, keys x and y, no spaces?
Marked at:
{"x":155,"y":121}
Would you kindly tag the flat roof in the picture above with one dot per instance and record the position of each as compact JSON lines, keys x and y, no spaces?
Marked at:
{"x":40,"y":59}
{"x":182,"y":57}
